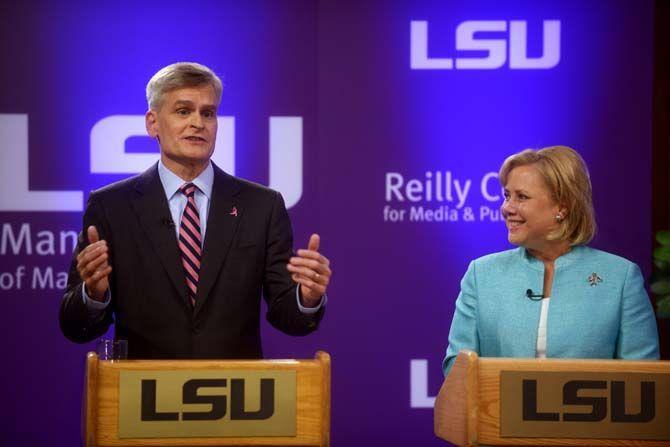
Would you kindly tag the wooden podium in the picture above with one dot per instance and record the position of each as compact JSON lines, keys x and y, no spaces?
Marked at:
{"x":207,"y":402}
{"x":504,"y":401}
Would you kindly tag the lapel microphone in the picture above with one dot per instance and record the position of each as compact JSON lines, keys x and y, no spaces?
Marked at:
{"x":531,"y":296}
{"x":167,"y":222}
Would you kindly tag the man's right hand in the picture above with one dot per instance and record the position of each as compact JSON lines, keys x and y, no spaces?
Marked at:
{"x":93,"y":265}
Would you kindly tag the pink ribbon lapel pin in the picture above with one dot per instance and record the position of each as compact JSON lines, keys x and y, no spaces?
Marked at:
{"x":233,"y":212}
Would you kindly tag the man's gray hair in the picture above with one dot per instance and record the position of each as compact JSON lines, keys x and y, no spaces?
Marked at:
{"x":179,"y":75}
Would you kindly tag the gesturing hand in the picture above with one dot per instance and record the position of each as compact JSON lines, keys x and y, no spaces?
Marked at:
{"x":312,"y":271}
{"x":93,"y":265}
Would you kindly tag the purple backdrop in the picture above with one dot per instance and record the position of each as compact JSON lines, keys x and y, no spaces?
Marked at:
{"x":399,"y":155}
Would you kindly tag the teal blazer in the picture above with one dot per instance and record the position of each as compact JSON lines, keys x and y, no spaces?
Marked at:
{"x":587,"y":318}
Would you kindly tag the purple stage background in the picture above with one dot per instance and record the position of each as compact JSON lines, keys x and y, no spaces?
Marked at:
{"x":396,"y":172}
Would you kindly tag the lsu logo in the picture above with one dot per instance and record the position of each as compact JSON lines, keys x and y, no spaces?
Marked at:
{"x":108,"y":156}
{"x":198,"y":403}
{"x":510,"y":48}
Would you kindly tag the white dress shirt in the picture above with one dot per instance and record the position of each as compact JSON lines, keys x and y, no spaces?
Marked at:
{"x":541,"y":346}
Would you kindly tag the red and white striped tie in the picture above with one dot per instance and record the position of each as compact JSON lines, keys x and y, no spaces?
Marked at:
{"x":190,"y":241}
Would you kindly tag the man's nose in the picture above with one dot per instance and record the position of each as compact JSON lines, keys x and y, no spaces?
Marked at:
{"x":196,"y":120}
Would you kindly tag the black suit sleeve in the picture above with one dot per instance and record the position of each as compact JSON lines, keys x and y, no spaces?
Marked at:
{"x":76,"y":322}
{"x":279,"y":289}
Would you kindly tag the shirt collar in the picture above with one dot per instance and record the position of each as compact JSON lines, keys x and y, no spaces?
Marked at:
{"x":562,"y":261}
{"x":172,"y":182}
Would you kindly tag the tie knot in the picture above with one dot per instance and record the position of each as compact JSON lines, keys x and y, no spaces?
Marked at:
{"x":188,"y":189}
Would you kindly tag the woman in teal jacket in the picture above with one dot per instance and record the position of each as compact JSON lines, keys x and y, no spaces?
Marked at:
{"x":553,"y":296}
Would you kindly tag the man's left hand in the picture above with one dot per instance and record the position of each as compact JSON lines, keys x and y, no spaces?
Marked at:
{"x":312,"y":271}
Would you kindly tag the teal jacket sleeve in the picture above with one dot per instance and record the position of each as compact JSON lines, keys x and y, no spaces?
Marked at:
{"x":463,"y":333}
{"x":638,"y":335}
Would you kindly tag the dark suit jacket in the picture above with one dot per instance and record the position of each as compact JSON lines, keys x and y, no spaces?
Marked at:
{"x":244,"y":257}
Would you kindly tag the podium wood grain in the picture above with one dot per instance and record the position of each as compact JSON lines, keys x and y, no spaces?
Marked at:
{"x":467,"y":409}
{"x":312,"y":400}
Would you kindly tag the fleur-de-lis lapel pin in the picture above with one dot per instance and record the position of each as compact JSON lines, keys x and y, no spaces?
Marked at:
{"x":233,"y":212}
{"x":594,"y":279}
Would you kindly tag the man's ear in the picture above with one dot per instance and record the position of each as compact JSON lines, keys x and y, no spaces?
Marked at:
{"x":151,"y":122}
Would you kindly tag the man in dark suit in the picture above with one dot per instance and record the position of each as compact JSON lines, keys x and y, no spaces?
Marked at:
{"x":179,"y":256}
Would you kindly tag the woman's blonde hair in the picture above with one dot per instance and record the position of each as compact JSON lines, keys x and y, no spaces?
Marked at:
{"x":567,"y":177}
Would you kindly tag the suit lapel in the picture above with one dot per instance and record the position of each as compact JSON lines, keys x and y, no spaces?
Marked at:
{"x":222,"y":223}
{"x":151,"y":207}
